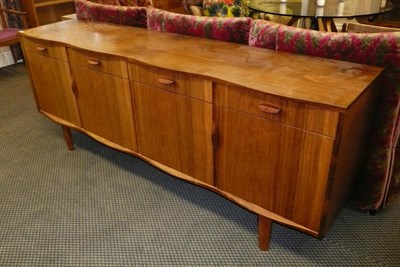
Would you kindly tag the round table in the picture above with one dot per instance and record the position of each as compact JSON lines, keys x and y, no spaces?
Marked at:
{"x":322,"y":15}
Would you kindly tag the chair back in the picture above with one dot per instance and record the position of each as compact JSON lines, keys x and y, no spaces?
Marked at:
{"x":9,"y":33}
{"x":365,"y":28}
{"x":5,"y":13}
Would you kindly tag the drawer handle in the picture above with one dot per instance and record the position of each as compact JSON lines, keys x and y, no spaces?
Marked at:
{"x":41,"y":48}
{"x":165,"y":81}
{"x":268,"y":108}
{"x":93,"y":61}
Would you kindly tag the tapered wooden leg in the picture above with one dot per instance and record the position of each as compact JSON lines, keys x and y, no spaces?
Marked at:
{"x":321,"y":25}
{"x":264,"y":232}
{"x":292,"y":21}
{"x":68,"y":137}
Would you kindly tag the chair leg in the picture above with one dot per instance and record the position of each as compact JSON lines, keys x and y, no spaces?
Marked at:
{"x":264,"y":232}
{"x":14,"y":54}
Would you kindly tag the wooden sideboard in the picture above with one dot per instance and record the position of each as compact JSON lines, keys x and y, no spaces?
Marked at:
{"x":279,"y":134}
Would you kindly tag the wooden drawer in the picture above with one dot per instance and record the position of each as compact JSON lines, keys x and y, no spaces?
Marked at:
{"x":45,"y":48}
{"x":298,"y":114}
{"x":101,"y":62}
{"x":185,"y":84}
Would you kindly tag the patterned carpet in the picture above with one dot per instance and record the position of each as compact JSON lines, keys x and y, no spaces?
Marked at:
{"x":98,"y":207}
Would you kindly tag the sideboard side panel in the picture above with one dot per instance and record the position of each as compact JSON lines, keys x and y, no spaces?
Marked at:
{"x":349,"y":154}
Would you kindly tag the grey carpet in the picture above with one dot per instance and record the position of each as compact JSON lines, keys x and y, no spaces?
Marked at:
{"x":99,"y":207}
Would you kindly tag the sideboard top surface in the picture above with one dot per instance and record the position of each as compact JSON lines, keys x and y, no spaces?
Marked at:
{"x":305,"y":78}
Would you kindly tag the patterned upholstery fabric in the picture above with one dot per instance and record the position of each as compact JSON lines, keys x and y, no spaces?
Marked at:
{"x":135,"y":2}
{"x":124,"y":2}
{"x":131,"y":16}
{"x":263,"y":33}
{"x":105,"y":2}
{"x":373,"y":48}
{"x":224,"y":29}
{"x":128,"y":2}
{"x":381,"y":49}
{"x":225,"y":8}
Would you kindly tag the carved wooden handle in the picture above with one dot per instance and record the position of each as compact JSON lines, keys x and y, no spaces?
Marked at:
{"x":268,"y":108}
{"x":93,"y":61}
{"x":41,"y":48}
{"x":165,"y":81}
{"x":74,"y":88}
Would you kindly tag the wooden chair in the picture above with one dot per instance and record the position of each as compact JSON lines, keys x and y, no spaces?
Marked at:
{"x":387,"y":19}
{"x":9,"y":35}
{"x":360,"y":28}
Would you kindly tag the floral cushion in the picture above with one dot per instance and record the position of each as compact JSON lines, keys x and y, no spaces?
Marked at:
{"x":134,"y":16}
{"x":106,"y":2}
{"x":124,"y":2}
{"x":378,"y":49}
{"x":223,"y":29}
{"x":135,"y":2}
{"x":382,"y":167}
{"x":225,"y":8}
{"x":263,"y":33}
{"x":131,"y":16}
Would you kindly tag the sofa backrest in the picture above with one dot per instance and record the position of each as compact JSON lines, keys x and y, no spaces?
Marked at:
{"x":263,"y":33}
{"x":123,"y":2}
{"x":126,"y":15}
{"x":233,"y":29}
{"x":379,"y":49}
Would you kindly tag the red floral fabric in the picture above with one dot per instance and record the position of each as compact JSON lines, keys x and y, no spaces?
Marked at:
{"x":135,"y":2}
{"x":381,"y":172}
{"x":124,"y":2}
{"x":263,"y":33}
{"x":106,"y":2}
{"x":367,"y":48}
{"x":131,"y":16}
{"x":224,"y":29}
{"x":128,"y":2}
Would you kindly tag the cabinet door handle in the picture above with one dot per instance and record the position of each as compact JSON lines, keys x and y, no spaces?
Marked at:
{"x":268,"y":108}
{"x":41,"y":48}
{"x":165,"y":81}
{"x":214,"y":136}
{"x":93,"y":61}
{"x":74,"y":88}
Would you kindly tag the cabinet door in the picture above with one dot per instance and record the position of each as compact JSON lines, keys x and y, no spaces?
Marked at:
{"x":52,"y":85}
{"x":105,"y":106}
{"x":280,"y":168}
{"x":175,"y":130}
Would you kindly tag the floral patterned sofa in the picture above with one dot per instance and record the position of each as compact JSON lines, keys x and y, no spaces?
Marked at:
{"x":126,"y":12}
{"x":379,"y":182}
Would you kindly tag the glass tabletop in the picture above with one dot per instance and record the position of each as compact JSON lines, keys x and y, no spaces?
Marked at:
{"x":321,"y":8}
